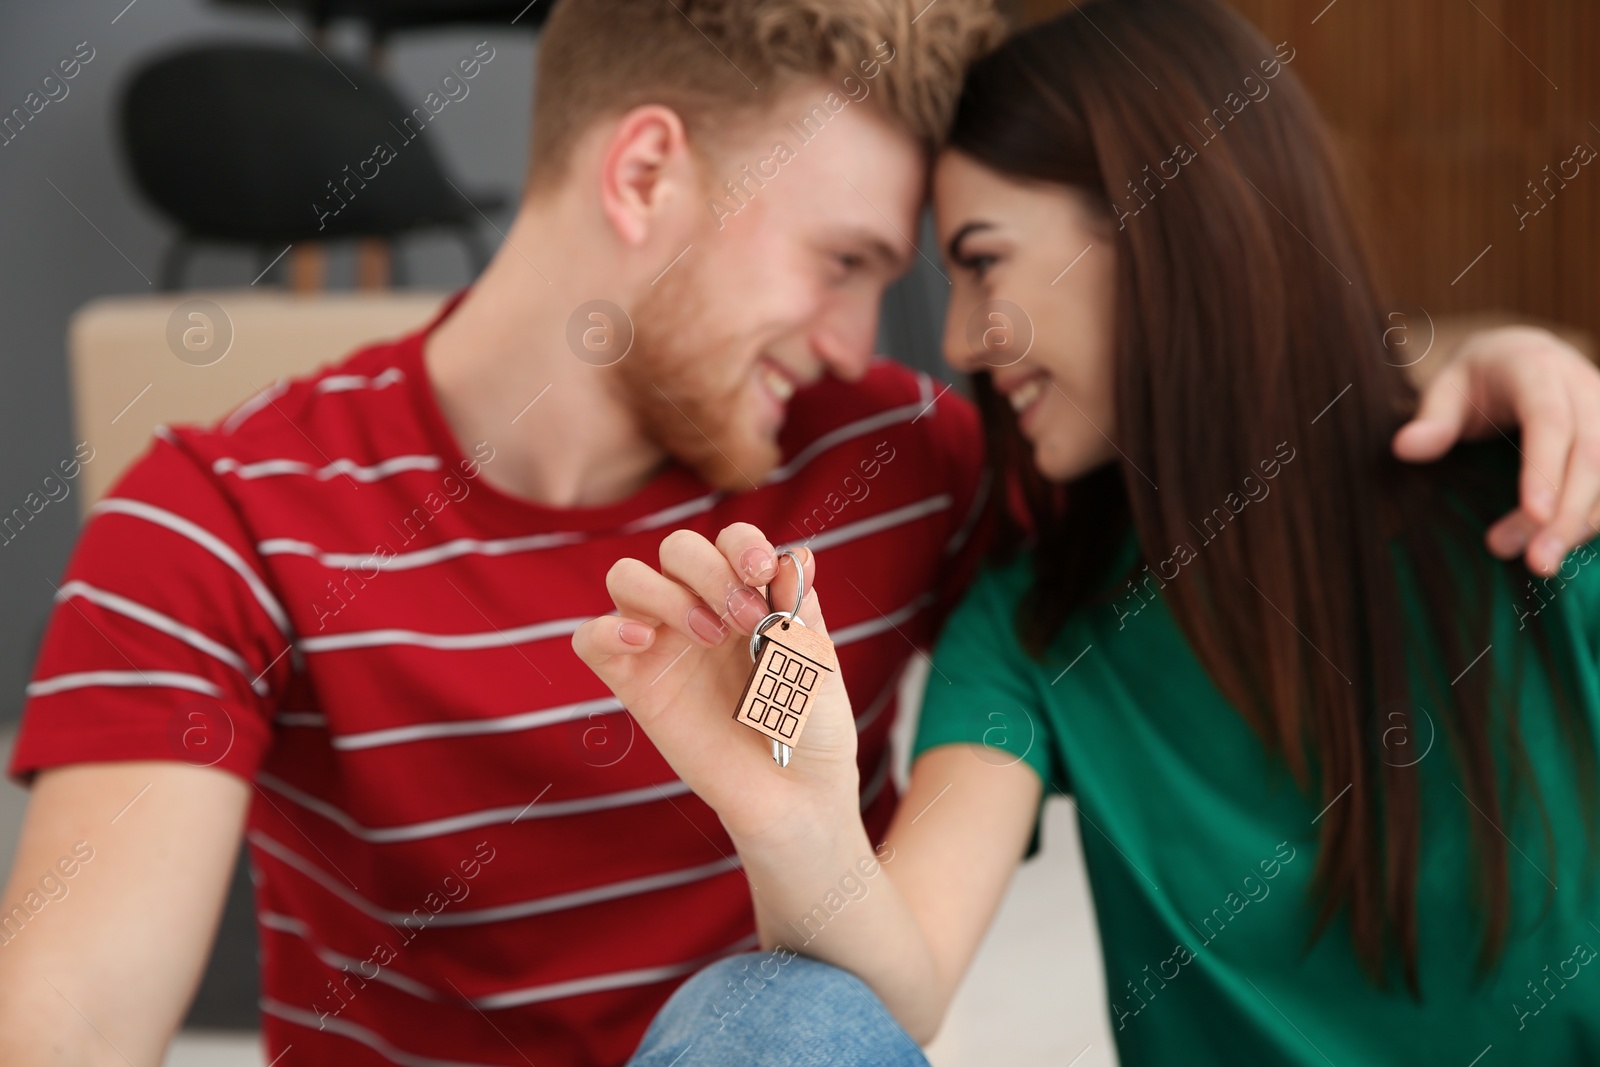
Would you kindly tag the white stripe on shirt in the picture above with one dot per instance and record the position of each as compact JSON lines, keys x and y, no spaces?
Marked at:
{"x":501,"y":912}
{"x":422,"y":557}
{"x":263,"y":397}
{"x":980,"y":497}
{"x":58,"y":683}
{"x":166,"y":624}
{"x":472,"y":820}
{"x":268,"y":468}
{"x":515,"y":635}
{"x":523,"y":720}
{"x":360,"y":1034}
{"x":342,"y":383}
{"x":863,"y":630}
{"x":516,"y":998}
{"x":865,"y":720}
{"x":510,"y":998}
{"x":848,"y":431}
{"x":288,"y":924}
{"x":676,"y":513}
{"x":886,"y":520}
{"x":207,"y":540}
{"x":386,"y":974}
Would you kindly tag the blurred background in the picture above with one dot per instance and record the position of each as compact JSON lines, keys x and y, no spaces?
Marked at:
{"x":159,"y":163}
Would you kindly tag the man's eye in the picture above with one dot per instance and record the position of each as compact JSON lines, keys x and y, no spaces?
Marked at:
{"x":850,"y":262}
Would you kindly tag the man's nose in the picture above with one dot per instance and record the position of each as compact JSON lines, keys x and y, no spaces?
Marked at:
{"x":847,"y":342}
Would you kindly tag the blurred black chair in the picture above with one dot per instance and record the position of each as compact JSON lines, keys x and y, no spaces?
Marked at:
{"x":384,"y":18}
{"x":245,"y":144}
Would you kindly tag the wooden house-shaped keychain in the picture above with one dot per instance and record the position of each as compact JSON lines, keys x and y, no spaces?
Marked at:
{"x":778,"y":697}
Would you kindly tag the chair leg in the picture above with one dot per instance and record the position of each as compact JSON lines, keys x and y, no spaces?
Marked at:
{"x":477,"y":252}
{"x":173,"y":262}
{"x":308,"y":267}
{"x":372,"y":263}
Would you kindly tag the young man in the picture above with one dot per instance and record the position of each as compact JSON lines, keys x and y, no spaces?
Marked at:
{"x":337,"y":623}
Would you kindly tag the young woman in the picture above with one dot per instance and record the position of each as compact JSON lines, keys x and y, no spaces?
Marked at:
{"x":1334,"y":763}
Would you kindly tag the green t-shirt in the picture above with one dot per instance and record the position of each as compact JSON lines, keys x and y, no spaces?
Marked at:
{"x":1200,"y":848}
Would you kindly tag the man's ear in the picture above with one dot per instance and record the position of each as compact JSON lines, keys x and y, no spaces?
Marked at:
{"x":646,"y":166}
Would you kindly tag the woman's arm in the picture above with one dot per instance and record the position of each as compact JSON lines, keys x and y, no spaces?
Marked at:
{"x":1494,"y":380}
{"x":905,"y":919}
{"x":909,"y":929}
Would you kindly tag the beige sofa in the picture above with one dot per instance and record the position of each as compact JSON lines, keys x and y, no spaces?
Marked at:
{"x":137,"y":362}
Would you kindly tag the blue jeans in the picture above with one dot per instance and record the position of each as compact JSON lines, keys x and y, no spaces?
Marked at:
{"x":775,"y":1009}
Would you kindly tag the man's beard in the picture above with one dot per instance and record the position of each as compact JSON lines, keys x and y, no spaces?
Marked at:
{"x":684,"y":380}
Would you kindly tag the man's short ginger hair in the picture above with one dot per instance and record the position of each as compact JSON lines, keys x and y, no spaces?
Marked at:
{"x":715,"y":62}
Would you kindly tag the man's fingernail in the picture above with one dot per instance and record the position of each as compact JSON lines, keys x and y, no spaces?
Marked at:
{"x":634,"y":633}
{"x":747,"y":608}
{"x":1543,"y":500}
{"x":757,"y":564}
{"x":706,"y":625}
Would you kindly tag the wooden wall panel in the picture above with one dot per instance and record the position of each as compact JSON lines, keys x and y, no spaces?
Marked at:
{"x":1445,"y":111}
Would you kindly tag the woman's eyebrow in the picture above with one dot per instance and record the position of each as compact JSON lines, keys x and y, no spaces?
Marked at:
{"x":953,"y":249}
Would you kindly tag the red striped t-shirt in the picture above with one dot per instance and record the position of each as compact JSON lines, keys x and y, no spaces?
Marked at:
{"x":463,"y":849}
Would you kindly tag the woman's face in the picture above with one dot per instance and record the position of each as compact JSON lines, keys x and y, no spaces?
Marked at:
{"x":1032,"y":274}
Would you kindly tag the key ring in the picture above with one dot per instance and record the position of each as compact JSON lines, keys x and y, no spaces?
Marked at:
{"x":799,"y":598}
{"x":786,"y":670}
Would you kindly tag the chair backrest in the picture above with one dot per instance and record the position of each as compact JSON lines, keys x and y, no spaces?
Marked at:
{"x":243,"y":142}
{"x":126,"y":378}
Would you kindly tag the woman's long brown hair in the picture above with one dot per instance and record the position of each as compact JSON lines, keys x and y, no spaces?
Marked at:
{"x":1247,"y":322}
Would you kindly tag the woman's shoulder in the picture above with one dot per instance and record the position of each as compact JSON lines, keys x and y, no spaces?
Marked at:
{"x":1004,"y":579}
{"x":1000,"y":609}
{"x":991,"y":602}
{"x":1003,"y":582}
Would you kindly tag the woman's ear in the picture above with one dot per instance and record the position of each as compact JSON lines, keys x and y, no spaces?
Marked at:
{"x":645,"y":170}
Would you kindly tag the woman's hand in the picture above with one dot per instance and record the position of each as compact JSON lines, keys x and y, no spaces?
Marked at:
{"x":677,"y":656}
